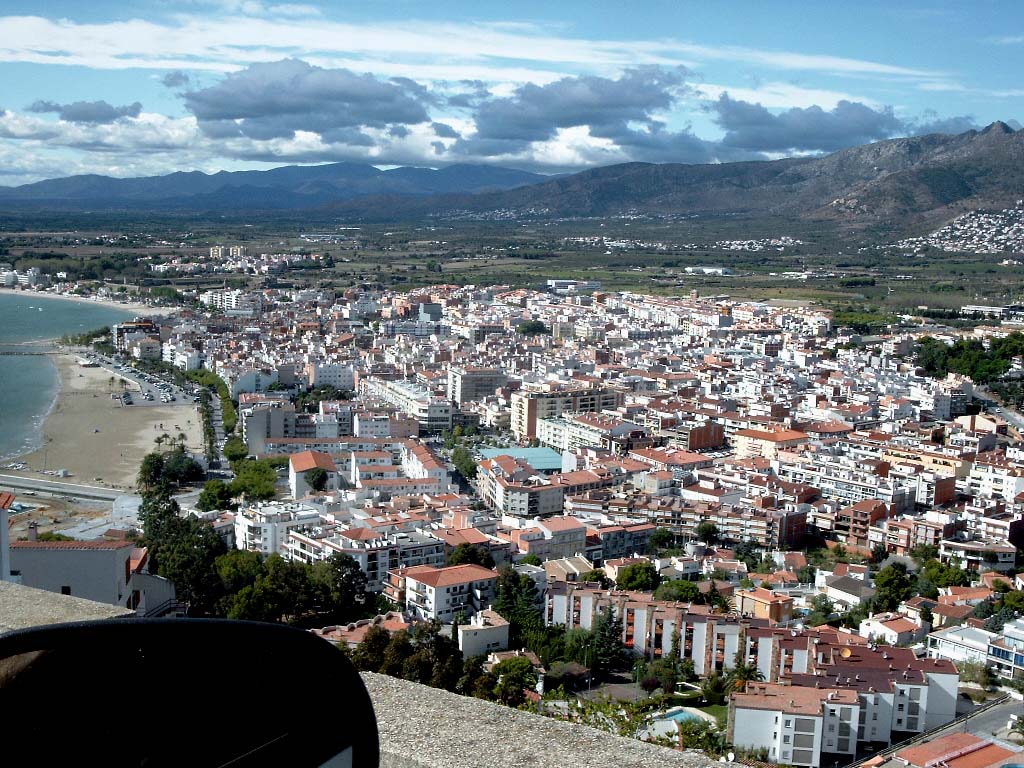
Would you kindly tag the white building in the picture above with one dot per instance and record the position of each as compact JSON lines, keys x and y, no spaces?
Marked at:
{"x":795,"y":725}
{"x":486,"y":632}
{"x":112,"y":572}
{"x":434,"y":414}
{"x":264,"y":527}
{"x":444,"y":593}
{"x":960,"y":643}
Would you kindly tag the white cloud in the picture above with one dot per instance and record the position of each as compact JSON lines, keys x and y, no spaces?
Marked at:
{"x":256,"y":33}
{"x":778,"y":95}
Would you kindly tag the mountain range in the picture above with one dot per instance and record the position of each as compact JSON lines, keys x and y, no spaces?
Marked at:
{"x":922,"y":179}
{"x":291,"y":186}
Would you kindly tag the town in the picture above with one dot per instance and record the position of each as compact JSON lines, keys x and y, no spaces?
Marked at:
{"x":755,"y":531}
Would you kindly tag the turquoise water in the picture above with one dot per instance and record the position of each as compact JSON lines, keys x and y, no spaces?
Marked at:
{"x":29,"y":383}
{"x":681,"y":716}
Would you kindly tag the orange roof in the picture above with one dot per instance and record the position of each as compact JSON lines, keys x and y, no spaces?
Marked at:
{"x":956,"y":750}
{"x":307,"y":460}
{"x":775,"y":436}
{"x":450,"y":575}
{"x":71,"y":544}
{"x":900,"y":625}
{"x":6,"y":499}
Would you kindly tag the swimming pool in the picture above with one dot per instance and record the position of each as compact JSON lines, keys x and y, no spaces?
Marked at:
{"x":680,"y":715}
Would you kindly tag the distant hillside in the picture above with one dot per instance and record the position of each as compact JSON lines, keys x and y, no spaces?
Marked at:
{"x":900,"y":184}
{"x":913,"y":180}
{"x":292,"y":186}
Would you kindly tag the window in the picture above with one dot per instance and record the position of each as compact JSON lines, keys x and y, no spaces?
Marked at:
{"x":785,"y":739}
{"x":874,"y":715}
{"x":831,"y":727}
{"x":899,"y":708}
{"x":789,"y":723}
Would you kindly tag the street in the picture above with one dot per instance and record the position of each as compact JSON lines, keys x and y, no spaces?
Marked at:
{"x":57,"y":488}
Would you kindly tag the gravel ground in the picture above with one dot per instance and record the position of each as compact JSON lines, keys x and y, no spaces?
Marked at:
{"x":423,"y":727}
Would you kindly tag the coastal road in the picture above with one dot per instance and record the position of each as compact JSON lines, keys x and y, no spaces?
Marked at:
{"x":58,"y":488}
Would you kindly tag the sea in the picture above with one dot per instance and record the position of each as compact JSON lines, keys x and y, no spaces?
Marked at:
{"x":29,"y":383}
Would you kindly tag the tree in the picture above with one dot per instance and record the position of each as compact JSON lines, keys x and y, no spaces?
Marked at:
{"x":807,"y":574}
{"x":662,"y":538}
{"x":471,"y":554}
{"x":879,"y":554}
{"x":472,"y":671}
{"x":53,"y":536}
{"x":893,"y":585}
{"x":703,"y":736}
{"x":664,"y":671}
{"x":317,"y":478}
{"x":151,"y":471}
{"x":712,"y":688}
{"x":254,"y":479}
{"x":650,"y":684}
{"x":926,"y":615}
{"x":821,"y":611}
{"x":925,"y":588}
{"x":216,"y":494}
{"x":687,"y":671}
{"x":368,"y":656}
{"x":922,"y":553}
{"x":183,"y":550}
{"x":464,"y":462}
{"x":531,"y":559}
{"x":396,"y":654}
{"x":180,"y":468}
{"x":608,"y":649}
{"x":343,"y":586}
{"x":597,"y":575}
{"x":679,"y":590}
{"x":708,"y":532}
{"x":976,"y":672}
{"x":235,"y":449}
{"x":513,"y":675}
{"x":1013,"y":601}
{"x":641,"y":577}
{"x":238,"y":569}
{"x":742,"y":673}
{"x":516,"y":602}
{"x":532,"y":328}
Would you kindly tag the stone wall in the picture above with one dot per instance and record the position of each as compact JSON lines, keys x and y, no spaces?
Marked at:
{"x":422,"y":727}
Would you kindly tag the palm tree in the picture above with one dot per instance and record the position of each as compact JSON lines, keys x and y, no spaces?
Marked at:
{"x":741,"y":674}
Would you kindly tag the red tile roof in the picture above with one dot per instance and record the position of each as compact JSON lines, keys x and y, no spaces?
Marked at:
{"x":307,"y":460}
{"x":71,"y":544}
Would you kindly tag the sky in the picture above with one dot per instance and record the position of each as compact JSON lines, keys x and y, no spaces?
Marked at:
{"x":154,"y":86}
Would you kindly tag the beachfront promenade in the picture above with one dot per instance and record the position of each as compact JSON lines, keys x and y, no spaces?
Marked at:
{"x":57,"y":488}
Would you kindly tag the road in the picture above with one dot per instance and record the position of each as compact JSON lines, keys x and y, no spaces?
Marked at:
{"x":986,"y":723}
{"x":58,"y":488}
{"x":1014,"y":419}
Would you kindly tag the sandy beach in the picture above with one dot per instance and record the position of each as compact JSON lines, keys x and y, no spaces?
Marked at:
{"x":142,"y":309}
{"x":95,"y":438}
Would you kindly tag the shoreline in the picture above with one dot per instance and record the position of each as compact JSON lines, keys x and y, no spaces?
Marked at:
{"x":96,"y":439}
{"x":33,"y":445}
{"x":142,"y":309}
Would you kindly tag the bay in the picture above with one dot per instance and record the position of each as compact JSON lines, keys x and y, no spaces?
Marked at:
{"x":29,"y":384}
